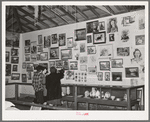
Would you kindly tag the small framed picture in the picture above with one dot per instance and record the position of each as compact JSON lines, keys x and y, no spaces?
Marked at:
{"x":112,"y":26}
{"x":9,"y":43}
{"x":91,"y":49}
{"x":107,"y":76}
{"x":89,"y":26}
{"x":89,"y":38}
{"x":27,"y":49}
{"x":14,"y":52}
{"x":95,"y":26}
{"x":116,"y":76}
{"x":29,"y":67}
{"x":111,"y":37}
{"x":15,"y":60}
{"x":66,"y":54}
{"x":92,"y":70}
{"x":82,"y":47}
{"x":140,"y":40}
{"x":99,"y":38}
{"x":100,"y":76}
{"x":16,"y":41}
{"x":35,"y":66}
{"x":54,"y":38}
{"x":101,"y":25}
{"x":24,"y":78}
{"x":8,"y":69}
{"x":132,"y":72}
{"x":27,"y":57}
{"x":15,"y":68}
{"x":123,"y":51}
{"x":104,"y":65}
{"x":62,"y":39}
{"x":83,"y":67}
{"x":80,"y":34}
{"x":70,"y":42}
{"x":24,"y":65}
{"x":27,"y":43}
{"x":66,"y":65}
{"x":69,"y":75}
{"x":46,"y":41}
{"x":7,"y":56}
{"x":33,"y":47}
{"x":15,"y":76}
{"x":39,"y":48}
{"x":54,"y":53}
{"x":117,"y":63}
{"x":59,"y":64}
{"x":73,"y":65}
{"x":33,"y":58}
{"x":40,"y":39}
{"x":44,"y":56}
{"x":51,"y":64}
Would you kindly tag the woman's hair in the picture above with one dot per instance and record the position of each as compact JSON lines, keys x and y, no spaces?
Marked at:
{"x":53,"y":70}
{"x":137,"y":50}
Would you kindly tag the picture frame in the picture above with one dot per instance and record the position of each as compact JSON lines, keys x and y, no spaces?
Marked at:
{"x":16,"y":41}
{"x":15,"y":60}
{"x":40,"y":41}
{"x":9,"y":42}
{"x":73,"y":65}
{"x":8,"y":70}
{"x":107,"y":76}
{"x":80,"y":34}
{"x":24,"y":65}
{"x":128,"y":20}
{"x":62,"y":39}
{"x":125,"y":35}
{"x":7,"y":56}
{"x":102,"y":25}
{"x":92,"y":70}
{"x":104,"y":65}
{"x":24,"y":78}
{"x":117,"y":63}
{"x":35,"y":66}
{"x":99,"y":37}
{"x":44,"y":56}
{"x":27,"y":43}
{"x":29,"y":67}
{"x":27,"y":57}
{"x":46,"y":41}
{"x":111,"y":37}
{"x":15,"y":76}
{"x":39,"y":48}
{"x":14,"y":52}
{"x":15,"y":68}
{"x":54,"y":38}
{"x":91,"y":50}
{"x":112,"y":26}
{"x":59,"y":64}
{"x":65,"y":65}
{"x":141,"y":22}
{"x":54,"y":53}
{"x":132,"y":72}
{"x":123,"y":51}
{"x":100,"y":76}
{"x":83,"y":67}
{"x":33,"y":58}
{"x":69,"y":75}
{"x":140,"y":40}
{"x":95,"y":26}
{"x":116,"y":76}
{"x":82,"y":47}
{"x":33,"y":47}
{"x":52,"y":64}
{"x":27,"y":49}
{"x":89,"y":27}
{"x":66,"y":54}
{"x":89,"y":38}
{"x":70,"y":42}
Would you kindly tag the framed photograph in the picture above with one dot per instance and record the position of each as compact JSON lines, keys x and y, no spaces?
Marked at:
{"x":91,"y":50}
{"x":83,"y":60}
{"x":100,"y":76}
{"x":70,"y":42}
{"x":83,"y":67}
{"x":33,"y":47}
{"x":33,"y":58}
{"x":92,"y":70}
{"x":95,"y":26}
{"x":44,"y":65}
{"x":54,"y":53}
{"x":46,"y":41}
{"x":89,"y":27}
{"x":44,"y":56}
{"x":102,"y":25}
{"x":7,"y":56}
{"x":24,"y":65}
{"x":123,"y":51}
{"x":73,"y":65}
{"x":117,"y":63}
{"x":112,"y":25}
{"x":15,"y":60}
{"x":38,"y":57}
{"x":116,"y":76}
{"x":54,"y":38}
{"x":59,"y":64}
{"x":39,"y":48}
{"x":29,"y":75}
{"x":9,"y":43}
{"x":65,"y":65}
{"x":69,"y":75}
{"x":27,"y":43}
{"x":15,"y":76}
{"x":132,"y":72}
{"x":107,"y":76}
{"x":51,"y":64}
{"x":15,"y":68}
{"x":125,"y":35}
{"x":29,"y":67}
{"x":82,"y":47}
{"x":8,"y":69}
{"x":104,"y":65}
{"x":140,"y":40}
{"x":128,"y":20}
{"x":89,"y":38}
{"x":62,"y":39}
{"x":27,"y":57}
{"x":99,"y":37}
{"x":24,"y":78}
{"x":66,"y":54}
{"x":111,"y":37}
{"x":40,"y":39}
{"x":14,"y":52}
{"x":27,"y":49}
{"x":80,"y":34}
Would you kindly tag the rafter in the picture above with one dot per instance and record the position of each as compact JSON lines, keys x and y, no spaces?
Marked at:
{"x":93,"y":10}
{"x":12,"y":24}
{"x":27,"y":27}
{"x":126,"y":8}
{"x":110,"y":10}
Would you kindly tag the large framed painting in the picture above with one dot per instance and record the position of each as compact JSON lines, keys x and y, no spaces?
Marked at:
{"x":27,"y":43}
{"x":80,"y":34}
{"x":99,"y":37}
{"x":44,"y":56}
{"x":14,"y":52}
{"x":116,"y":76}
{"x":15,"y":60}
{"x":66,"y":54}
{"x":132,"y":72}
{"x":33,"y":47}
{"x":112,"y":26}
{"x":29,"y":67}
{"x":40,"y":41}
{"x":15,"y":76}
{"x":70,"y":42}
{"x":54,"y":53}
{"x":7,"y":56}
{"x":62,"y":39}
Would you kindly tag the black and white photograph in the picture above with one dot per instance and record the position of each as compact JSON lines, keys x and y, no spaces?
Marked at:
{"x":15,"y":60}
{"x":80,"y":34}
{"x":54,"y":39}
{"x":62,"y":39}
{"x":140,"y":39}
{"x":40,"y":41}
{"x":116,"y":76}
{"x":15,"y":68}
{"x":14,"y":52}
{"x":99,"y":37}
{"x":132,"y":72}
{"x":54,"y":53}
{"x":15,"y":76}
{"x":27,"y":42}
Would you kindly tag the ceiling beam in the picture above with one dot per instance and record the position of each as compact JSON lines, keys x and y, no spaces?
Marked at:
{"x":104,"y":9}
{"x":110,"y":10}
{"x":11,"y":25}
{"x":93,"y":10}
{"x":31,"y":29}
{"x":126,"y":8}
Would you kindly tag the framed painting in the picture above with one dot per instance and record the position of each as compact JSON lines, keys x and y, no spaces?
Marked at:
{"x":104,"y":65}
{"x":9,"y":43}
{"x":27,"y":57}
{"x":70,"y":42}
{"x":100,"y":76}
{"x":29,"y":67}
{"x":83,"y":60}
{"x":107,"y":76}
{"x":33,"y":58}
{"x":14,"y":52}
{"x":8,"y":69}
{"x":91,"y":50}
{"x":128,"y":20}
{"x":102,"y":25}
{"x":112,"y":26}
{"x":125,"y":35}
{"x":44,"y":56}
{"x":117,"y":63}
{"x":33,"y":47}
{"x":27,"y":43}
{"x":140,"y":40}
{"x":35,"y":66}
{"x":89,"y":27}
{"x":111,"y":37}
{"x":39,"y":48}
{"x":99,"y":37}
{"x":73,"y":65}
{"x":40,"y":39}
{"x":7,"y":56}
{"x":82,"y":47}
{"x":89,"y":38}
{"x":51,"y":64}
{"x":59,"y":64}
{"x":66,"y":54}
{"x":123,"y":51}
{"x":116,"y":76}
{"x":54,"y":53}
{"x":54,"y":38}
{"x":15,"y":68}
{"x":15,"y":76}
{"x":46,"y":41}
{"x":92,"y":70}
{"x":65,"y":65}
{"x":80,"y":34}
{"x":69,"y":75}
{"x":95,"y":26}
{"x":24,"y":78}
{"x":24,"y":65}
{"x":27,"y":49}
{"x":62,"y":39}
{"x":132,"y":72}
{"x":15,"y":60}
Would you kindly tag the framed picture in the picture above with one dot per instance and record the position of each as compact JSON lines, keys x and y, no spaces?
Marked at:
{"x":116,"y":76}
{"x":27,"y":42}
{"x":117,"y":63}
{"x":107,"y":76}
{"x":111,"y":37}
{"x":100,"y":76}
{"x":54,"y":53}
{"x":92,"y":70}
{"x":24,"y":78}
{"x":15,"y":68}
{"x":89,"y":27}
{"x":125,"y":35}
{"x":69,"y":75}
{"x":46,"y":41}
{"x":51,"y":64}
{"x":62,"y":39}
{"x":15,"y":60}
{"x":112,"y":25}
{"x":123,"y":51}
{"x":83,"y":67}
{"x":132,"y":72}
{"x":39,"y":48}
{"x":8,"y":69}
{"x":91,"y":50}
{"x":95,"y":26}
{"x":83,"y":60}
{"x":29,"y":75}
{"x":80,"y":34}
{"x":27,"y":49}
{"x":59,"y":64}
{"x":66,"y":54}
{"x":128,"y":20}
{"x":82,"y":47}
{"x":38,"y":57}
{"x":99,"y":37}
{"x":33,"y":58}
{"x":27,"y":57}
{"x":33,"y":47}
{"x":54,"y":38}
{"x":44,"y":56}
{"x":65,"y":65}
{"x":73,"y":65}
{"x":7,"y":56}
{"x":40,"y":39}
{"x":9,"y":43}
{"x":70,"y":42}
{"x":140,"y":40}
{"x":89,"y":38}
{"x":16,"y":42}
{"x":29,"y":67}
{"x":44,"y":65}
{"x":14,"y":52}
{"x":15,"y":76}
{"x":24,"y":65}
{"x":104,"y":65}
{"x":102,"y":25}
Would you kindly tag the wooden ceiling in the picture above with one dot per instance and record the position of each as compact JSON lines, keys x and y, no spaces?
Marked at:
{"x":21,"y":19}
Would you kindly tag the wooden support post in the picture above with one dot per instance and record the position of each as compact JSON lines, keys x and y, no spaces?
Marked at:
{"x":75,"y":98}
{"x":128,"y":100}
{"x":16,"y":91}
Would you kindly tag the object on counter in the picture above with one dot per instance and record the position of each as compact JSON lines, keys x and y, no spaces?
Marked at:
{"x":107,"y":95}
{"x":87,"y":94}
{"x":125,"y":97}
{"x":118,"y":99}
{"x":113,"y":97}
{"x":98,"y":94}
{"x":93,"y":92}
